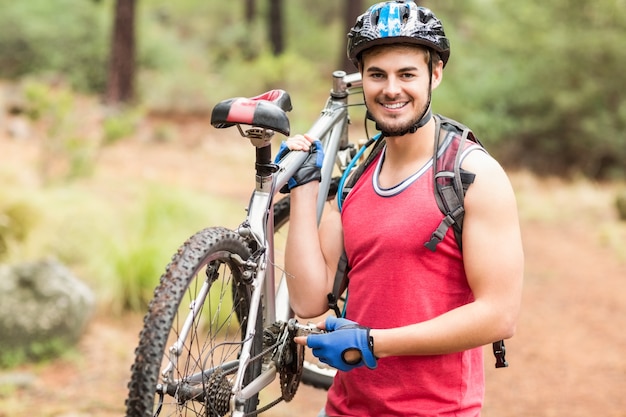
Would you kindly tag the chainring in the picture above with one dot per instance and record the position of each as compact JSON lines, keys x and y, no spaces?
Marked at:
{"x":289,"y":360}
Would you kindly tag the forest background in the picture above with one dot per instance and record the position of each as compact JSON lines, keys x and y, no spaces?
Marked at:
{"x":542,"y":83}
{"x":111,"y":184}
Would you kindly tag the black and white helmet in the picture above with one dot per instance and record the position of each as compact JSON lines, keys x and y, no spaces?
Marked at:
{"x":399,"y":21}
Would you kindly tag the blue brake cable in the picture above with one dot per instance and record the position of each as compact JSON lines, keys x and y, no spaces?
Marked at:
{"x":349,"y":168}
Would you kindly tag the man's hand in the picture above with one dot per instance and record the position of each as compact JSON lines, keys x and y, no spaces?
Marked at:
{"x":310,"y":170}
{"x":345,"y":346}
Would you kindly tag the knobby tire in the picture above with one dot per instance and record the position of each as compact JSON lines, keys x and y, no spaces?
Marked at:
{"x":215,"y":337}
{"x":221,"y":320}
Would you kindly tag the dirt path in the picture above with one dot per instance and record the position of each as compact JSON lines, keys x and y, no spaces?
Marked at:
{"x":567,"y":358}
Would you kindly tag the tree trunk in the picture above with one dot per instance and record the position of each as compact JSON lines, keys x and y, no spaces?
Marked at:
{"x":352,"y":10}
{"x":275,"y":25}
{"x":250,"y":12}
{"x":121,"y":79}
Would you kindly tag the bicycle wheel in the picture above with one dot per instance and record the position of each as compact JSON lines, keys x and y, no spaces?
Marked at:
{"x":188,"y":350}
{"x":314,"y":372}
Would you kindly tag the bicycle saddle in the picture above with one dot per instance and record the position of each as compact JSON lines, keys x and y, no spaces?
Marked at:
{"x":267,"y":110}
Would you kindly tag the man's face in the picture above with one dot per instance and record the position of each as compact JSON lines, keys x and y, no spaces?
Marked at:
{"x":396,"y":87}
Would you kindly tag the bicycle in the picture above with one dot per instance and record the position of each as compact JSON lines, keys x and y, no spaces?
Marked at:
{"x":219,"y":328}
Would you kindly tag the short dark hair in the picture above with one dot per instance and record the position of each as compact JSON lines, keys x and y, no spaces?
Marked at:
{"x":428,"y":52}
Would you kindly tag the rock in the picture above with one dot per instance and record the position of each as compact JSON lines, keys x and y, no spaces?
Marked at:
{"x":17,"y":380}
{"x":17,"y":127}
{"x":43,"y":310}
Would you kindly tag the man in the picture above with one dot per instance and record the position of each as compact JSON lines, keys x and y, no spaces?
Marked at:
{"x":416,"y":320}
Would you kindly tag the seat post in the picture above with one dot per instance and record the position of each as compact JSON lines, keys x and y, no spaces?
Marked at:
{"x":265,"y":169}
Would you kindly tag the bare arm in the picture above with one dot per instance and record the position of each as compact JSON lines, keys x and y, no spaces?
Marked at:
{"x":311,"y":253}
{"x":493,"y":260}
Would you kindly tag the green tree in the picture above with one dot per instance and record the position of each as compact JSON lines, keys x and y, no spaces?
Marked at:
{"x":542,"y":82}
{"x":61,"y":40}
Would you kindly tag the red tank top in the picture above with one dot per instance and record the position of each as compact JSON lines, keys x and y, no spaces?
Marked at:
{"x":394,"y":281}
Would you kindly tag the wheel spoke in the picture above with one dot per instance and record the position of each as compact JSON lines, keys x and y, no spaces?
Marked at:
{"x":194,"y":331}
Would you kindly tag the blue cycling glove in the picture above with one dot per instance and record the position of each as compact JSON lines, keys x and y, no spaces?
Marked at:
{"x":343,"y":336}
{"x":310,"y":170}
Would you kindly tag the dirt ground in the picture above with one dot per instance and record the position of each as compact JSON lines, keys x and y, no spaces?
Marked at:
{"x":567,"y":358}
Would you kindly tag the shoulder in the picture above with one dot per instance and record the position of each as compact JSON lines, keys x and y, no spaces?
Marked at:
{"x":477,"y":160}
{"x":491,"y":187}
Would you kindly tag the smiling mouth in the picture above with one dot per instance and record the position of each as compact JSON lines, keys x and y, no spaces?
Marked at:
{"x":394,"y":106}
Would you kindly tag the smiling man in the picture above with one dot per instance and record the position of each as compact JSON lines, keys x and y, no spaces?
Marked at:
{"x":394,"y":94}
{"x":411,"y":340}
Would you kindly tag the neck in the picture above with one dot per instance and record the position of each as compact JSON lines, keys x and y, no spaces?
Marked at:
{"x":418,"y":144}
{"x":406,"y":154}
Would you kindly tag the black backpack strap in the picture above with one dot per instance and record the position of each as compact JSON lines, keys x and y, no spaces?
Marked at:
{"x":451,"y":182}
{"x":499,"y":351}
{"x":341,"y":282}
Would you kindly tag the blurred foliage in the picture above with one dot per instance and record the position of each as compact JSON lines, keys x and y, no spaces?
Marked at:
{"x":118,"y":238}
{"x":121,"y":123}
{"x":620,"y":204}
{"x":67,"y":152}
{"x":60,"y":37}
{"x":35,"y":352}
{"x":17,"y":219}
{"x":541,"y":83}
{"x":149,"y":232}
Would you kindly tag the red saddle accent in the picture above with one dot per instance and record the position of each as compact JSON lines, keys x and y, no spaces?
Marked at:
{"x":267,"y":110}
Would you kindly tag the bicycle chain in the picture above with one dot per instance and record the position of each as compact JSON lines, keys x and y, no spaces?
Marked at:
{"x":219,"y":390}
{"x":289,"y":358}
{"x":280,"y":337}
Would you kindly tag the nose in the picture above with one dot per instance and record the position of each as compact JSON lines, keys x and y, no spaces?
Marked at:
{"x":392,"y":87}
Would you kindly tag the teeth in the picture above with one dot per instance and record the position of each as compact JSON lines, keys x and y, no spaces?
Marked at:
{"x":394,"y":105}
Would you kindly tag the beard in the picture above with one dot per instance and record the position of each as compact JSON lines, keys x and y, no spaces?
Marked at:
{"x":395,"y":127}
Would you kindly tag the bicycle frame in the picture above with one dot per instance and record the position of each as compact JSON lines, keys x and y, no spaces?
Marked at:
{"x":331,"y":128}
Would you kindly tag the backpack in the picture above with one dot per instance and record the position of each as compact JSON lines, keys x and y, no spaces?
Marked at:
{"x":451,"y":182}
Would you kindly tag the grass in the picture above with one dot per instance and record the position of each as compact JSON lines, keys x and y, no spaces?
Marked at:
{"x":574,"y":204}
{"x":118,"y":245}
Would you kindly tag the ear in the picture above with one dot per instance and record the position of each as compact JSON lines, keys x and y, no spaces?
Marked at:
{"x":437,"y":74}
